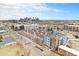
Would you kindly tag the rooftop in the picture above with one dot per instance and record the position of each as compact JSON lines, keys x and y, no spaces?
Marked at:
{"x":7,"y":41}
{"x":73,"y":25}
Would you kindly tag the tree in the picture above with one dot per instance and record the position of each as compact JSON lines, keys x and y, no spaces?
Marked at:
{"x":37,"y":19}
{"x":12,"y":27}
{"x":22,"y":27}
{"x":15,"y":29}
{"x":1,"y":38}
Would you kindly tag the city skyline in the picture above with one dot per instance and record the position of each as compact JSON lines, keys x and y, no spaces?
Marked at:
{"x":49,"y":11}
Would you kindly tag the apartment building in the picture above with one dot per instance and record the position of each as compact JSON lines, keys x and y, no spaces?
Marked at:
{"x":71,"y":27}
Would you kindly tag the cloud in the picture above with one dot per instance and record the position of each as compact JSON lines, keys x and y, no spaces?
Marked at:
{"x":36,"y":15}
{"x":43,"y":7}
{"x":56,"y":10}
{"x":9,"y":11}
{"x":40,"y":7}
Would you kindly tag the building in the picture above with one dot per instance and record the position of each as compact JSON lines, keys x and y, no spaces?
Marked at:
{"x":71,"y":28}
{"x":27,"y":26}
{"x":7,"y":41}
{"x":47,"y":40}
{"x":65,"y":51}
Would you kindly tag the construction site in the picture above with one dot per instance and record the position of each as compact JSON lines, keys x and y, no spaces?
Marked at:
{"x":39,"y":38}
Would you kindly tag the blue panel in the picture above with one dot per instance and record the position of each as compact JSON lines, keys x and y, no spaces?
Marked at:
{"x":54,"y":34}
{"x":47,"y":41}
{"x":6,"y":41}
{"x":64,"y":40}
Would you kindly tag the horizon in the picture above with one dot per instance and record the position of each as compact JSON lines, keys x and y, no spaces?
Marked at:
{"x":44,"y":11}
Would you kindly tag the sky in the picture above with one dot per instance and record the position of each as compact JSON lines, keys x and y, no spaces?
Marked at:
{"x":44,"y":11}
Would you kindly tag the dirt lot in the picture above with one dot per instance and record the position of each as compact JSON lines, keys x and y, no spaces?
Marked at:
{"x":12,"y":50}
{"x":74,"y":44}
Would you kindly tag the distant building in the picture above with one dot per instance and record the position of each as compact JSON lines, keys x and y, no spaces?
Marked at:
{"x":71,"y":27}
{"x":26,"y":26}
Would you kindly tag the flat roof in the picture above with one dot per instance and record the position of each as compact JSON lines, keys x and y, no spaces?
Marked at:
{"x":2,"y":31}
{"x":73,"y":25}
{"x":70,"y":50}
{"x":7,"y":40}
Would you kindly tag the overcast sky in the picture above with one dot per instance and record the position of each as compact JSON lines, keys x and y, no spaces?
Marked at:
{"x":41,"y":10}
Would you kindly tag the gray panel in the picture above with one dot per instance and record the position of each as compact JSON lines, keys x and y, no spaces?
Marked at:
{"x":6,"y":41}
